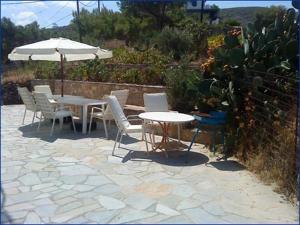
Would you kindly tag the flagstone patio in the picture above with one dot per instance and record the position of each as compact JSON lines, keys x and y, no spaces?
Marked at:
{"x":72,"y":178}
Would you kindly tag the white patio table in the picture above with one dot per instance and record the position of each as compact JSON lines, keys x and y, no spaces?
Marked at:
{"x":83,"y":103}
{"x":164,"y":119}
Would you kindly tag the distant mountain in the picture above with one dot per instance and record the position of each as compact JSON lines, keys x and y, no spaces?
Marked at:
{"x":244,"y":15}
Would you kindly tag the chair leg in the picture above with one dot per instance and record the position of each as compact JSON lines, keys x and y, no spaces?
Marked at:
{"x":121,"y":137}
{"x":192,"y":142}
{"x":109,"y":124}
{"x":61,"y":122}
{"x":105,"y":128}
{"x":91,"y":119}
{"x":178,"y":132}
{"x":52,"y":128}
{"x":33,"y":118}
{"x":24,"y":117}
{"x":145,"y":139}
{"x":153,"y":137}
{"x":39,"y":123}
{"x":73,"y":125}
{"x":115,"y":142}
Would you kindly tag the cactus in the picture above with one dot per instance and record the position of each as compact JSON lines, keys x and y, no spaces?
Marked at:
{"x":273,"y":48}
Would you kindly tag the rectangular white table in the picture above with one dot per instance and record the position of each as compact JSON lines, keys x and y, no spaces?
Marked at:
{"x":84,"y":103}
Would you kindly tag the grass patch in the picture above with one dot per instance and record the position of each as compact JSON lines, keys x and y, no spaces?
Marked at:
{"x":277,"y":163}
{"x":19,"y":76}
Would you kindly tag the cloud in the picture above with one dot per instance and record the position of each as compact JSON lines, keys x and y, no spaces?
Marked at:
{"x":27,"y":4}
{"x":66,"y":4}
{"x":39,"y":5}
{"x":25,"y":17}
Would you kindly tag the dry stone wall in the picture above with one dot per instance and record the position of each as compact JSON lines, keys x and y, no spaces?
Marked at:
{"x":97,"y":90}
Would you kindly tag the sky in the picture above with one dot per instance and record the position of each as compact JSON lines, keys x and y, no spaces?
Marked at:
{"x":47,"y":13}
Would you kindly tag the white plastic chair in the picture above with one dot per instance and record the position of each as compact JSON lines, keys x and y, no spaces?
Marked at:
{"x":158,"y":102}
{"x":123,"y":123}
{"x":49,"y":111}
{"x":106,"y":114}
{"x":29,"y":102}
{"x":45,"y":89}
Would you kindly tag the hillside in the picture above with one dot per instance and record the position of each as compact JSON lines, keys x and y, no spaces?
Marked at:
{"x":242,"y":14}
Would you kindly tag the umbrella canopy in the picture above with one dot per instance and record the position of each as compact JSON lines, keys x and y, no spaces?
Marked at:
{"x":58,"y":49}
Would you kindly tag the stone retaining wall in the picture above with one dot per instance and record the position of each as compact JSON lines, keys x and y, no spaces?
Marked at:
{"x":97,"y":90}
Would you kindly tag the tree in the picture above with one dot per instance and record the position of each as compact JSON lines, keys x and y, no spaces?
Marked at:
{"x":159,"y":12}
{"x":8,"y":37}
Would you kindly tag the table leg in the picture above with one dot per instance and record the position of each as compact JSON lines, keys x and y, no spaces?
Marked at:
{"x":84,"y":119}
{"x":165,"y":139}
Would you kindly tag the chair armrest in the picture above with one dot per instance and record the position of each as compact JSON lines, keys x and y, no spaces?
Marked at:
{"x":134,"y":118}
{"x":201,"y":114}
{"x":96,"y":108}
{"x":59,"y":108}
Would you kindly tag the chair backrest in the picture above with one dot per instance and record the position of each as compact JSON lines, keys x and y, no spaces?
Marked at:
{"x":27,"y":98}
{"x":45,"y":106}
{"x":156,"y":102}
{"x":117,"y":112}
{"x":44,"y":89}
{"x":122,"y":96}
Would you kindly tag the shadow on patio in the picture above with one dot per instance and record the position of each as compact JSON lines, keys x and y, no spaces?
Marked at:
{"x":5,"y":217}
{"x":175,"y":157}
{"x":30,"y":131}
{"x":229,"y":165}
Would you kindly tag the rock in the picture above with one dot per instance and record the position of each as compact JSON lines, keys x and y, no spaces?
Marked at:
{"x":32,"y":218}
{"x":166,"y":210}
{"x":110,"y":203}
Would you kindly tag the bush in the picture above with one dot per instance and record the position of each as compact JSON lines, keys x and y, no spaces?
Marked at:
{"x":47,"y":70}
{"x":215,"y":41}
{"x":182,"y":88}
{"x":174,"y":42}
{"x":232,"y":22}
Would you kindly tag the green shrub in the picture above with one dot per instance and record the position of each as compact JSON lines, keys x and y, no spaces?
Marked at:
{"x":182,"y":88}
{"x":174,"y":42}
{"x":215,"y":41}
{"x":47,"y":70}
{"x":232,"y":22}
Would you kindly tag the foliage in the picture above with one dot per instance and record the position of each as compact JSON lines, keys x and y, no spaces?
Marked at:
{"x":215,"y":41}
{"x":199,"y":33}
{"x":174,"y":42}
{"x":232,"y":22}
{"x":159,"y":14}
{"x":47,"y":70}
{"x":276,"y":162}
{"x":17,"y":75}
{"x":244,"y":15}
{"x":147,"y":67}
{"x":183,"y":87}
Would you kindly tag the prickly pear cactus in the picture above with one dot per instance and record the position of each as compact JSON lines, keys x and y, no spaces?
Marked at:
{"x":271,"y":49}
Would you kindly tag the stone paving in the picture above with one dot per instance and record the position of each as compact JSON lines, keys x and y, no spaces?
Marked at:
{"x":72,"y":178}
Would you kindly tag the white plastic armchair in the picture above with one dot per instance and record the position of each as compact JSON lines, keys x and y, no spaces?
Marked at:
{"x":105,"y":114}
{"x":49,"y":112}
{"x":158,"y":102}
{"x":46,"y":90}
{"x":29,"y":102}
{"x":123,"y":123}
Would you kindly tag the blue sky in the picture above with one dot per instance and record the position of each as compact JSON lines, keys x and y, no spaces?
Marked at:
{"x":60,"y":12}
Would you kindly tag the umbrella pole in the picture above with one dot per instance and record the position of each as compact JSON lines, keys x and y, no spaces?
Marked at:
{"x":62,"y":74}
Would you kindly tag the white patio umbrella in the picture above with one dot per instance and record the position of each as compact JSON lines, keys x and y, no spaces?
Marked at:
{"x":60,"y":50}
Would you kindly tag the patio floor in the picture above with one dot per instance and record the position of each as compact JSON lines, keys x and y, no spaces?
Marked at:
{"x":72,"y":178}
